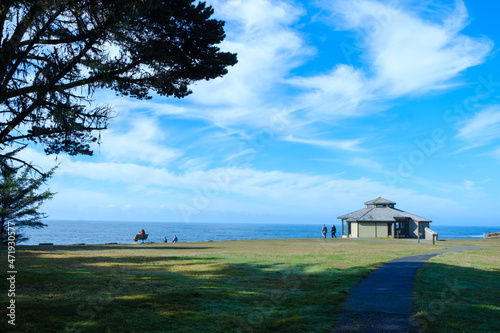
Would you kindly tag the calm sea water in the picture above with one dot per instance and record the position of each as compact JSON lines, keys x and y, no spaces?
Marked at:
{"x":100,"y":232}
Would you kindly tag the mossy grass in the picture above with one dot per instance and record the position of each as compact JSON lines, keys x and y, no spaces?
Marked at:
{"x":232,"y":286}
{"x":490,"y":242}
{"x":460,"y":292}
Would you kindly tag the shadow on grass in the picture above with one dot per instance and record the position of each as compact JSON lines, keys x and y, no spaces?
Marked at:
{"x":176,"y":294}
{"x":457,"y":299}
{"x":187,"y":292}
{"x":110,"y":247}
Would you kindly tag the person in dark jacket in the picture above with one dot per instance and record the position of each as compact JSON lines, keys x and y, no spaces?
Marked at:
{"x":334,"y":230}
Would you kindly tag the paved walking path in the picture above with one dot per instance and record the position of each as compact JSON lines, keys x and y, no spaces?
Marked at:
{"x":383,"y":302}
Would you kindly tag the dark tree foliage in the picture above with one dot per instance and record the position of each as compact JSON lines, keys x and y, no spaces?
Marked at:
{"x":20,"y":200}
{"x":54,"y":54}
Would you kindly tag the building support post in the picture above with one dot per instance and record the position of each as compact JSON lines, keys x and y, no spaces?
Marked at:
{"x":418,"y":231}
{"x":342,"y":227}
{"x":393,"y":227}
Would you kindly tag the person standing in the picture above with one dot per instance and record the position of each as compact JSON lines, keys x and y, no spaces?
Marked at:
{"x":324,"y":231}
{"x":175,"y":239}
{"x":334,"y":230}
{"x":165,"y":239}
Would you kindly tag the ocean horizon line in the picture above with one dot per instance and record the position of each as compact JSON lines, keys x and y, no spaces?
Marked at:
{"x":102,"y":232}
{"x":497,"y":226}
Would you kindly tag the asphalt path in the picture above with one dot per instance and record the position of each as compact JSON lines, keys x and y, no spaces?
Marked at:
{"x":383,"y":302}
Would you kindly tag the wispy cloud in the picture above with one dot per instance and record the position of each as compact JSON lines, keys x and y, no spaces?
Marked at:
{"x":496,"y":154}
{"x":402,"y":53}
{"x":482,"y":128}
{"x":349,"y":145}
{"x":405,"y":53}
{"x":412,"y":55}
{"x":404,"y":50}
{"x":261,"y":33}
{"x":145,"y":142}
{"x":334,"y":95}
{"x":133,"y":192}
{"x":250,"y":96}
{"x":367,"y":164}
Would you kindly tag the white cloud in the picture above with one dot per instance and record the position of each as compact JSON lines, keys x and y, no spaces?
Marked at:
{"x":257,"y":14}
{"x":349,"y":145}
{"x":249,"y":153}
{"x":124,"y":105}
{"x":402,"y":53}
{"x":267,"y":47}
{"x":143,"y":142}
{"x":124,"y":191}
{"x":242,"y":190}
{"x":413,"y":56}
{"x":469,"y":185}
{"x":482,"y":128}
{"x":367,"y":164}
{"x":339,"y":93}
{"x":408,"y":54}
{"x":496,"y":154}
{"x":249,"y":96}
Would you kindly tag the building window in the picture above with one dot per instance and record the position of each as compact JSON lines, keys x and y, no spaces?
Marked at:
{"x":369,"y":205}
{"x":380,"y":206}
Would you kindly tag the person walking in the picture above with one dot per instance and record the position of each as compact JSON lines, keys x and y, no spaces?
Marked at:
{"x":334,"y":230}
{"x":175,"y":240}
{"x":324,"y":231}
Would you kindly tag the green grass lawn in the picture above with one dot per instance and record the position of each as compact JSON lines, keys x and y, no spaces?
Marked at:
{"x":234,"y":286}
{"x":460,"y":292}
{"x":490,"y":242}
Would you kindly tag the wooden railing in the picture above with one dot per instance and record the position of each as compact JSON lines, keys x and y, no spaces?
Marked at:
{"x":431,"y":235}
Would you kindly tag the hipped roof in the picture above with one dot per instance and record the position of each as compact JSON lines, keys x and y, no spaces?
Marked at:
{"x":379,"y":201}
{"x":385,"y":214}
{"x":380,"y":214}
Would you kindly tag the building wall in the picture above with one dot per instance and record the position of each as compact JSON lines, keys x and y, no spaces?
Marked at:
{"x":366,"y":229}
{"x":382,"y":230}
{"x":369,"y":229}
{"x":423,"y":225}
{"x":413,"y":229}
{"x":354,"y":229}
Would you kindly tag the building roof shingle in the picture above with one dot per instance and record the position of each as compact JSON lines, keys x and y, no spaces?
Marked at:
{"x":380,"y":214}
{"x":379,"y":201}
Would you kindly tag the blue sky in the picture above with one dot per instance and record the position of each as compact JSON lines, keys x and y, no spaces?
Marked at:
{"x":332,"y":103}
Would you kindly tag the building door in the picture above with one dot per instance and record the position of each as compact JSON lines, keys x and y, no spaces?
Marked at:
{"x":402,"y":229}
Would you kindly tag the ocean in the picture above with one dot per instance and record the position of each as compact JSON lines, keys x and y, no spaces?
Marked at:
{"x":101,"y":232}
